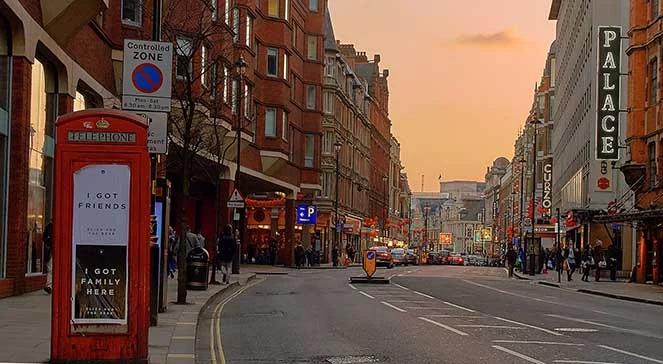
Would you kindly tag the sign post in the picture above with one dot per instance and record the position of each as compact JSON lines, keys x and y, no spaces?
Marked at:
{"x":101,"y":229}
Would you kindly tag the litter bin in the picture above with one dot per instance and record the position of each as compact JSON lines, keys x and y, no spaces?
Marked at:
{"x":197,"y":269}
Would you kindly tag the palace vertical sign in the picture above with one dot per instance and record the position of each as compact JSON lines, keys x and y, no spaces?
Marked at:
{"x":609,"y":92}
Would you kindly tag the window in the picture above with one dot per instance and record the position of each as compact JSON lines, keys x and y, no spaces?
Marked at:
{"x":270,"y":122}
{"x":247,"y":99}
{"x":214,"y":79}
{"x":653,"y":84}
{"x":309,"y":151}
{"x":312,"y":47}
{"x":5,"y":76}
{"x":310,"y":97}
{"x":227,"y":12}
{"x":654,"y":9}
{"x":132,"y":12}
{"x":226,"y":83}
{"x":313,"y":5}
{"x":328,"y":102}
{"x":330,"y":64}
{"x":203,"y":66}
{"x":183,"y":59}
{"x":248,"y":41}
{"x":43,"y":104}
{"x":273,"y":8}
{"x":272,"y":62}
{"x":213,"y":9}
{"x":653,"y":170}
{"x":285,"y":66}
{"x":284,"y":126}
{"x":235,"y":100}
{"x":287,"y":10}
{"x":235,"y":25}
{"x":327,"y":142}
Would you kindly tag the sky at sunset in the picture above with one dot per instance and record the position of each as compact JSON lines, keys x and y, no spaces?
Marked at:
{"x":461,"y":76}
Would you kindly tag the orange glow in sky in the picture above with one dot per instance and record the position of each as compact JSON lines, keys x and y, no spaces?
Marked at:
{"x":462,"y":75}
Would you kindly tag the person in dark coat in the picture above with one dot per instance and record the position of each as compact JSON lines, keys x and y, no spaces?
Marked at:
{"x":335,"y":256}
{"x":510,"y":258}
{"x":350,"y":250}
{"x":225,"y":247}
{"x":48,"y":257}
{"x":586,"y":263}
{"x":299,"y":254}
{"x":613,"y":256}
{"x":599,"y":259}
{"x":273,"y":251}
{"x":559,"y":262}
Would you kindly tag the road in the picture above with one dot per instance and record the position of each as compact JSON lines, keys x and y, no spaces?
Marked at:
{"x":429,"y":314}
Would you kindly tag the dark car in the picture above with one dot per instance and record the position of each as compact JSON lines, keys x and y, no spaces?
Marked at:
{"x":433,"y":258}
{"x":383,"y":257}
{"x":412,"y":257}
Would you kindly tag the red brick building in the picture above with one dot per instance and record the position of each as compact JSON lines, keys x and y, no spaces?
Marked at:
{"x":61,"y":56}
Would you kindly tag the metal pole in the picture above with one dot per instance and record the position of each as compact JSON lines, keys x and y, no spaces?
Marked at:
{"x":336,"y":232}
{"x":557,"y":241}
{"x":532,"y":263}
{"x":522,"y":199}
{"x":238,"y":140}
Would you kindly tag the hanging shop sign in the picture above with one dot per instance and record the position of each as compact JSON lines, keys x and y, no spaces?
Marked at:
{"x":609,"y":92}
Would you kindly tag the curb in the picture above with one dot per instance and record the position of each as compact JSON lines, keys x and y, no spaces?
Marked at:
{"x":619,"y":297}
{"x":517,"y":275}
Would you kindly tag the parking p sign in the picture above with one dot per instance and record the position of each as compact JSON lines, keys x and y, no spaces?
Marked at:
{"x":147,"y":75}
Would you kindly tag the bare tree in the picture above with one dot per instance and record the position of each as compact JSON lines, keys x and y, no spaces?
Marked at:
{"x":202,"y":114}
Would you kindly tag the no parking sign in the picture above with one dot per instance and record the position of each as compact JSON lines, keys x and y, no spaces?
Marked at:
{"x":147,"y":75}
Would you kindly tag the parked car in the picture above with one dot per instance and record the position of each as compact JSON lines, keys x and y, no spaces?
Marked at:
{"x":456,"y":259}
{"x":399,"y":256}
{"x":432,"y":258}
{"x":382,"y":257}
{"x":444,"y":257}
{"x":412,"y":257}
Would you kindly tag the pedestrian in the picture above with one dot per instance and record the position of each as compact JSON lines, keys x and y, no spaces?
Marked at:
{"x":48,"y":257}
{"x":273,"y":250}
{"x":599,"y":260}
{"x":510,"y":258}
{"x":559,"y":262}
{"x":309,"y":256}
{"x":570,"y":257}
{"x":586,"y":263}
{"x":191,"y":242}
{"x":172,"y":252}
{"x":350,"y":250}
{"x":335,"y":256}
{"x":613,"y":256}
{"x":299,"y":254}
{"x":225,"y":250}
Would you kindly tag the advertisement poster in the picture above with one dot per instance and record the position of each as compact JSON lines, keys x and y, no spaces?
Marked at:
{"x":100,"y":241}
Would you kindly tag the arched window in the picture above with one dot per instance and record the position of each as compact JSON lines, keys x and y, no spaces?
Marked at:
{"x":43,"y":111}
{"x":5,"y":77}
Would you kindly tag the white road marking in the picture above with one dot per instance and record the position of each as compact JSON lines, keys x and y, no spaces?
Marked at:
{"x":507,"y":292}
{"x":519,"y":355}
{"x":392,"y":306}
{"x":399,"y":286}
{"x":536,"y":342}
{"x":407,"y":301}
{"x":601,"y":312}
{"x":574,"y":329}
{"x":631,"y":354}
{"x":182,"y":356}
{"x":583,"y":362}
{"x":184,"y":338}
{"x":456,"y":331}
{"x":455,"y":316}
{"x":458,"y":307}
{"x":367,"y":295}
{"x":493,"y":327}
{"x":530,"y":326}
{"x":424,"y":295}
{"x":599,"y":324}
{"x":426,"y":308}
{"x":352,"y":286}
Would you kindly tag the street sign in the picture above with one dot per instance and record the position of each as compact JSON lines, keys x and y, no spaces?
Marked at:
{"x":236,"y":200}
{"x":147,"y":75}
{"x":157,"y":134}
{"x":369,"y":263}
{"x":307,"y":214}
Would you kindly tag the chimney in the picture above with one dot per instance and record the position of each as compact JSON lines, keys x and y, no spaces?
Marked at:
{"x":385,"y":73}
{"x":376,"y":58}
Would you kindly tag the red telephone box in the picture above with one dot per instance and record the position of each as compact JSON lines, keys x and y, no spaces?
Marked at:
{"x":101,"y":238}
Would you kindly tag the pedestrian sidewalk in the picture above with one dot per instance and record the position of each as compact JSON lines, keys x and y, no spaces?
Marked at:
{"x":25,"y":325}
{"x":621,"y":289}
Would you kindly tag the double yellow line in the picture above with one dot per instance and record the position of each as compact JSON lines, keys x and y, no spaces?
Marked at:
{"x":215,"y":324}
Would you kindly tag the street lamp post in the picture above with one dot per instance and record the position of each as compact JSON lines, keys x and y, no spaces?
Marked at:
{"x":384,"y":210}
{"x":426,"y":210}
{"x":532,"y":264}
{"x":337,"y":149}
{"x":240,"y":70}
{"x":521,"y":231}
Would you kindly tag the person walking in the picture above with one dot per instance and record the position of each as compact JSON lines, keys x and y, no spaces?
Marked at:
{"x":225,"y":250}
{"x":299,"y":254}
{"x":309,"y":256}
{"x":172,"y":252}
{"x":570,"y":257}
{"x":559,"y":262}
{"x":273,"y":251}
{"x":613,"y":256}
{"x":510,"y":258}
{"x":335,"y":256}
{"x":48,"y":257}
{"x":586,"y":263}
{"x":599,"y":259}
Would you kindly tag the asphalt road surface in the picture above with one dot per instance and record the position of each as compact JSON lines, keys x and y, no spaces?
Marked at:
{"x":428,"y":314}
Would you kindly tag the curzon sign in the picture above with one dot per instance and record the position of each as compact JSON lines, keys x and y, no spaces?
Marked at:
{"x":609,"y":92}
{"x":547,"y":186}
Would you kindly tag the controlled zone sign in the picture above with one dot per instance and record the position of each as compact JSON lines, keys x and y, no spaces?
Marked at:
{"x":307,"y":214}
{"x":147,"y":75}
{"x":369,"y":263}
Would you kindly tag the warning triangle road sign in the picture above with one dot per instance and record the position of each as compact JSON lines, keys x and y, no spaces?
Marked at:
{"x":236,"y":197}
